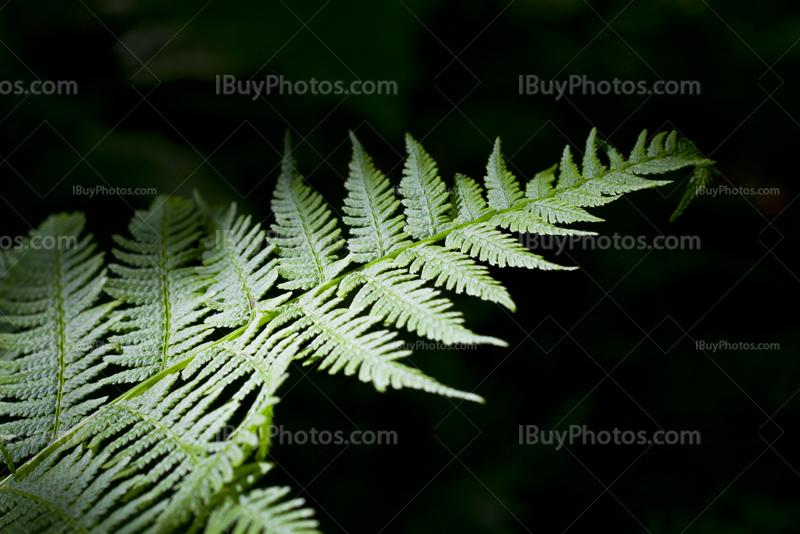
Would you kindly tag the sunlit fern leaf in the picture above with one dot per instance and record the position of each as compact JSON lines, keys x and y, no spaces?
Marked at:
{"x":618,"y":180}
{"x":154,"y":461}
{"x":556,"y":205}
{"x":467,"y":200}
{"x":568,"y":175}
{"x":592,"y":166}
{"x":56,"y":496}
{"x":659,"y":161}
{"x":596,"y":184}
{"x":455,"y":271}
{"x":502,"y":186}
{"x":52,"y":359}
{"x":526,"y":222}
{"x":401,"y":299}
{"x":262,"y":512}
{"x":307,"y":236}
{"x":235,"y":258}
{"x":424,"y":193}
{"x":343,"y":340}
{"x":541,"y":185}
{"x":186,"y":446}
{"x":160,"y":284}
{"x":560,"y":209}
{"x":375,"y":225}
{"x":639,"y":151}
{"x":491,"y":245}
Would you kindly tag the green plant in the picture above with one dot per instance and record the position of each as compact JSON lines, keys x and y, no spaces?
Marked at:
{"x":204,"y":320}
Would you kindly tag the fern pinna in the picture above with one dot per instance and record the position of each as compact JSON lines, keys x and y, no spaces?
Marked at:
{"x":200,"y":316}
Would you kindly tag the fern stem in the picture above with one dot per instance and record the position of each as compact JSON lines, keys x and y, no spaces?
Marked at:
{"x":62,"y":349}
{"x":162,"y":256}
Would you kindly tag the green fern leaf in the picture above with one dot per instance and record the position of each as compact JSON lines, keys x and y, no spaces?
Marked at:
{"x":503,"y":188}
{"x":490,"y":245}
{"x":569,"y":175}
{"x":261,"y":511}
{"x":161,"y":287}
{"x":51,"y":365}
{"x":182,"y":449}
{"x":455,"y":271}
{"x":424,"y":193}
{"x":341,"y":340}
{"x":540,"y":186}
{"x":307,"y":236}
{"x":592,"y":166}
{"x":235,"y":258}
{"x":467,"y":200}
{"x":560,"y":210}
{"x":399,"y":298}
{"x":524,"y":221}
{"x":371,"y":206}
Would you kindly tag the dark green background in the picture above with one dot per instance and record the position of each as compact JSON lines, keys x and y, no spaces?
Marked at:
{"x":633,"y":314}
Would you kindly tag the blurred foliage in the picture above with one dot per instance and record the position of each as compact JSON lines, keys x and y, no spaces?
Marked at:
{"x":147,"y":116}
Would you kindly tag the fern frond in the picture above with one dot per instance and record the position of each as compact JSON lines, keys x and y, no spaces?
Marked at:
{"x":424,"y":193}
{"x":372,"y":208}
{"x":468,"y":203}
{"x":400,"y":299}
{"x":699,"y":180}
{"x":182,"y":449}
{"x":578,"y":189}
{"x":488,"y":244}
{"x":503,"y":188}
{"x":524,"y":221}
{"x":307,"y":234}
{"x":561,"y":209}
{"x":51,"y":363}
{"x":162,"y":288}
{"x":341,"y":339}
{"x":151,"y":462}
{"x":261,"y":511}
{"x":235,"y":258}
{"x":455,"y":271}
{"x":541,"y":185}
